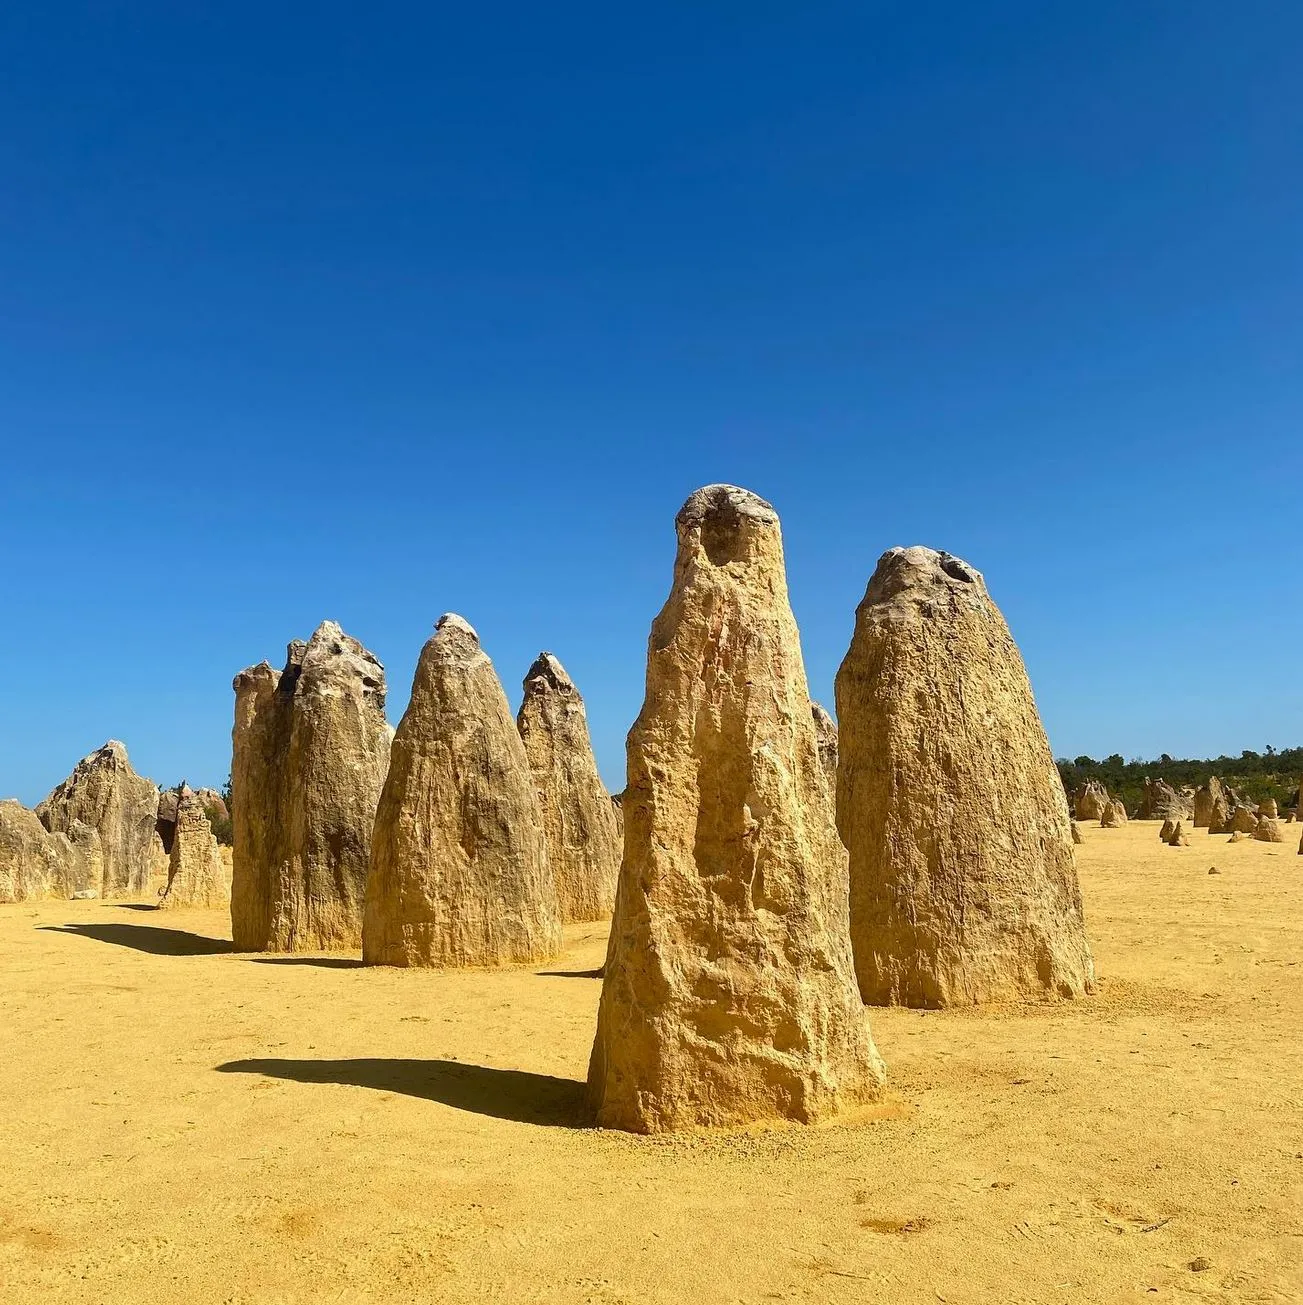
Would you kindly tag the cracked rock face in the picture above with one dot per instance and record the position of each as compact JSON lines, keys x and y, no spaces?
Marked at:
{"x":459,"y":868}
{"x":105,"y":794}
{"x":1090,"y":800}
{"x":580,"y":825}
{"x":963,"y":881}
{"x":729,"y":996}
{"x":310,"y":750}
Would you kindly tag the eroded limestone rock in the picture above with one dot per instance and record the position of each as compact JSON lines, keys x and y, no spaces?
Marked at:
{"x":196,"y":875}
{"x":729,"y":993}
{"x":580,"y":827}
{"x":963,"y":881}
{"x":310,"y":749}
{"x":825,"y":737}
{"x":104,"y":793}
{"x":1114,"y":816}
{"x":1090,"y":800}
{"x":459,"y":868}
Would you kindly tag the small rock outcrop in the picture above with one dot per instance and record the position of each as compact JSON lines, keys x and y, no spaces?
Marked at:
{"x":459,"y":868}
{"x":1268,"y":830}
{"x":729,"y":992}
{"x":196,"y":875}
{"x":1166,"y":832}
{"x":310,"y":749}
{"x":1219,"y":805}
{"x":35,"y":863}
{"x":1269,"y":808}
{"x":1090,"y":800}
{"x":1243,"y":820}
{"x":825,"y":737}
{"x":1176,"y":836}
{"x":1114,"y":815}
{"x":1077,"y":836}
{"x":963,"y":881}
{"x":580,"y":827}
{"x":104,"y":793}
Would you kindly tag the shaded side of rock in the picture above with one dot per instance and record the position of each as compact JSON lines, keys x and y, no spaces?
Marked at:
{"x":196,"y":876}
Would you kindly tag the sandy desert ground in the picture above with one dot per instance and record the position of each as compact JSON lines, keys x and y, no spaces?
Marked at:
{"x":182,"y":1123}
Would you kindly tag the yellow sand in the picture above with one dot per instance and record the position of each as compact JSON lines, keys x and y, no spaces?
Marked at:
{"x":185,"y":1124}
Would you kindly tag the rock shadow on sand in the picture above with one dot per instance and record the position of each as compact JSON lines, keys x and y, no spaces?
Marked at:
{"x":324,"y":962}
{"x":513,"y":1094}
{"x":148,"y":938}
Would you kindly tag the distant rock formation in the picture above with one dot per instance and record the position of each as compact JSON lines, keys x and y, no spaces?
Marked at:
{"x":310,"y":749}
{"x":1243,"y":820}
{"x":35,"y":863}
{"x":1176,"y":835}
{"x":1166,"y":832}
{"x":196,"y":876}
{"x":1077,"y":836}
{"x":729,"y":994}
{"x":1268,"y":808}
{"x":825,"y":737}
{"x":104,"y":793}
{"x":1268,"y":830}
{"x":1090,"y":800}
{"x":1159,"y":801}
{"x":580,"y":826}
{"x":963,"y":882}
{"x":459,"y":868}
{"x":1115,"y":815}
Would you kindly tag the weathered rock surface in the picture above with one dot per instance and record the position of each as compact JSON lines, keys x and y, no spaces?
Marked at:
{"x":1166,"y":832}
{"x":310,"y":749}
{"x":1159,"y":801}
{"x":459,"y":868}
{"x":580,"y":827}
{"x":1219,"y":806}
{"x":1176,"y":837}
{"x":729,"y":993}
{"x":963,"y":881}
{"x":196,"y":876}
{"x":1115,"y":814}
{"x":1239,"y":836}
{"x":1090,"y":800}
{"x":1244,"y":820}
{"x":1268,"y":830}
{"x":1077,"y":836}
{"x":104,"y":793}
{"x":1268,"y":808}
{"x":825,"y":737}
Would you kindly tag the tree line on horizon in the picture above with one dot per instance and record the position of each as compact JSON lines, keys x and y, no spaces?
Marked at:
{"x":1260,"y":775}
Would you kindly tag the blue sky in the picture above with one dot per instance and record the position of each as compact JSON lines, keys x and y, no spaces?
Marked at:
{"x":369,"y":313}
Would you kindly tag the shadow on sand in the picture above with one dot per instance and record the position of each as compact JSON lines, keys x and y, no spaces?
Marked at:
{"x":572,"y":974}
{"x":147,"y":938}
{"x":499,"y":1093}
{"x":326,"y":962}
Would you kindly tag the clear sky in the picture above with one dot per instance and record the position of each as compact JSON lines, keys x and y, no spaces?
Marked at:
{"x":368,"y":312}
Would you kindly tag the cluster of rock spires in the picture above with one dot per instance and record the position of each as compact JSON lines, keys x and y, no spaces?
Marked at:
{"x":104,"y":832}
{"x":768,"y":873}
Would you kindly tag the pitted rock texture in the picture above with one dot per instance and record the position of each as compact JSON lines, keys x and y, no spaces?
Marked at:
{"x":963,"y":880}
{"x":459,"y":868}
{"x":196,"y":875}
{"x":729,"y":994}
{"x":580,"y":827}
{"x":310,"y":750}
{"x":104,"y":793}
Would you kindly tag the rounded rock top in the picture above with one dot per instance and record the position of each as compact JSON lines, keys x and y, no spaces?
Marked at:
{"x":725,"y":505}
{"x":920,"y":570}
{"x":547,"y":673}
